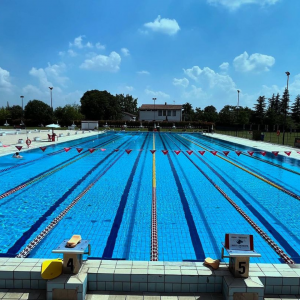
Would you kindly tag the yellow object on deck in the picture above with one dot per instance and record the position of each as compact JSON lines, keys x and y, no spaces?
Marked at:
{"x":51,"y":268}
{"x":214,"y":263}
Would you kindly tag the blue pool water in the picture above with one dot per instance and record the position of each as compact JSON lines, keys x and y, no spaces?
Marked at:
{"x":115,"y":212}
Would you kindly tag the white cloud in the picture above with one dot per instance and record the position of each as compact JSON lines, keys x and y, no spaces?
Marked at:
{"x":72,"y":53}
{"x":162,"y":25}
{"x":78,"y":43}
{"x":210,"y":88}
{"x":224,"y":66}
{"x":143,"y":73}
{"x":61,"y":53}
{"x":157,"y":94}
{"x":129,"y":88}
{"x":144,"y":32}
{"x":255,"y":62}
{"x":5,"y":83}
{"x":194,"y":93}
{"x":99,"y":46}
{"x":210,"y":78}
{"x":109,"y":63}
{"x":53,"y":72}
{"x":235,"y":4}
{"x":181,"y":82}
{"x":42,"y":77}
{"x":125,"y":51}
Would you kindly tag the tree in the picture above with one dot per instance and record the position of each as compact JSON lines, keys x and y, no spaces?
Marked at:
{"x":273,"y":110}
{"x":244,"y":115}
{"x":38,"y":111}
{"x":127,"y":103}
{"x":296,"y":110}
{"x":227,"y":115}
{"x":277,"y":104}
{"x":67,"y":114}
{"x":4,"y":114}
{"x":188,"y":112}
{"x":260,"y":110}
{"x":16,"y":112}
{"x":198,"y":115}
{"x":98,"y":105}
{"x":210,"y":114}
{"x":284,"y":104}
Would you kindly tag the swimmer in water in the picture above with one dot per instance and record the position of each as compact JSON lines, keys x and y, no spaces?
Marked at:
{"x":17,"y":155}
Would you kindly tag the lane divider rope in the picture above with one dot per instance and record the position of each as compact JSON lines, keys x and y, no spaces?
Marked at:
{"x":25,"y":252}
{"x":254,"y":157}
{"x":154,"y":240}
{"x":251,"y":173}
{"x":263,"y":234}
{"x":22,"y":186}
{"x":37,"y":159}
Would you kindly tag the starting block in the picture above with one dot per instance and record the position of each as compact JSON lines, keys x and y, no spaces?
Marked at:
{"x":72,"y":259}
{"x":239,"y":248}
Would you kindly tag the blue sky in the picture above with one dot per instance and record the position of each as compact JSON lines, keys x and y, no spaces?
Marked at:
{"x":197,"y":51}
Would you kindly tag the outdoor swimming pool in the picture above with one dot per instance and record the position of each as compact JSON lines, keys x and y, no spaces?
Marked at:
{"x":106,"y":197}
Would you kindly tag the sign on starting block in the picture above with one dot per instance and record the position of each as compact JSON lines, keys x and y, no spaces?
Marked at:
{"x":239,"y":248}
{"x":72,"y":259}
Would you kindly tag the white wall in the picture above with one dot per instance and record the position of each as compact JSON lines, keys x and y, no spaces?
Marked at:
{"x":149,"y":116}
{"x":89,"y":125}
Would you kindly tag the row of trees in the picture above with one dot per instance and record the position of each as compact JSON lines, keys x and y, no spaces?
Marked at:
{"x":95,"y":105}
{"x":101,"y":105}
{"x":273,"y":111}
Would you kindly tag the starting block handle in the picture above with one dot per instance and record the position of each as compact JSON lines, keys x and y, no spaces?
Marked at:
{"x":89,"y":250}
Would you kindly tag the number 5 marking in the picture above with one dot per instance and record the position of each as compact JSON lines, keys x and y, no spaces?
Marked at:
{"x":242,"y":265}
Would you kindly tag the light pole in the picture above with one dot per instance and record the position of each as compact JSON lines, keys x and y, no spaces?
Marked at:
{"x":154,"y":108}
{"x":286,"y":104}
{"x":51,"y":88}
{"x":238,"y":107}
{"x":22,"y":97}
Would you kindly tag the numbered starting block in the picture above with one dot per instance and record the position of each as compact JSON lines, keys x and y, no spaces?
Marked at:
{"x":72,"y":259}
{"x":239,"y":248}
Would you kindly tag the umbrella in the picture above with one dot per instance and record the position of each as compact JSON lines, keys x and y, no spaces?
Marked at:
{"x":53,"y":126}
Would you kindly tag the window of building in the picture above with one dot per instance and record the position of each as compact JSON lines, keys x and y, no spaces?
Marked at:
{"x":169,"y":112}
{"x":174,"y":113}
{"x":159,"y":113}
{"x":164,"y":112}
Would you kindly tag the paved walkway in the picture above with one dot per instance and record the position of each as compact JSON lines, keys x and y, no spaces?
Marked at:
{"x":41,"y":295}
{"x":269,"y":147}
{"x":9,"y":141}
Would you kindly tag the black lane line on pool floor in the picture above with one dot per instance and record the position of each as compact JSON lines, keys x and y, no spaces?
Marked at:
{"x":248,"y":156}
{"x":26,"y":251}
{"x":221,"y":144}
{"x":198,"y":248}
{"x":293,"y":254}
{"x":43,"y":157}
{"x":44,"y":173}
{"x":111,"y":241}
{"x":127,"y":244}
{"x":26,"y":235}
{"x":263,"y":177}
{"x":215,"y":246}
{"x":260,"y":205}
